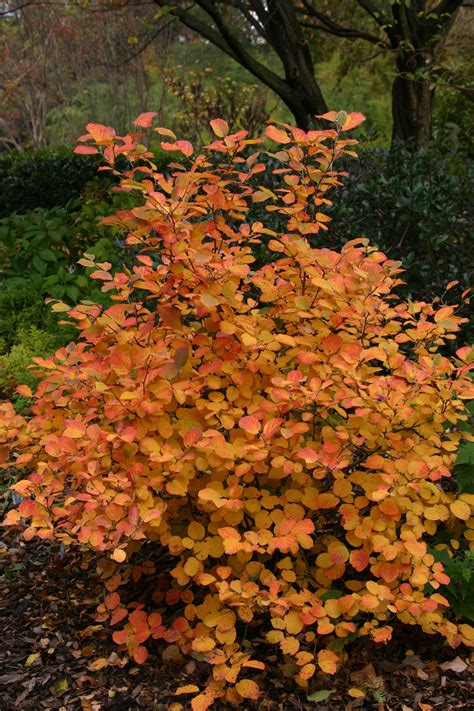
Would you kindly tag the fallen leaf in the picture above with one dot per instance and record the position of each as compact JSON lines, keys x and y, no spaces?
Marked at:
{"x":356,"y":693}
{"x":31,"y":659}
{"x":60,"y":685}
{"x":98,"y":664}
{"x":320,"y":695}
{"x":187,"y":689}
{"x":456,"y":665}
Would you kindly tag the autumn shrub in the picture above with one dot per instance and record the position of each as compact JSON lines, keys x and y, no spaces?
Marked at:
{"x":259,"y":456}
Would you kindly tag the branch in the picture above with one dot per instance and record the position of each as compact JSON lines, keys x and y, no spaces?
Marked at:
{"x":335,"y":28}
{"x":374,"y":12}
{"x":382,"y":20}
{"x":227,"y":41}
{"x":447,"y":8}
{"x":142,"y":47}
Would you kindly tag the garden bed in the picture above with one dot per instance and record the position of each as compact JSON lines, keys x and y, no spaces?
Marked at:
{"x":50,"y":643}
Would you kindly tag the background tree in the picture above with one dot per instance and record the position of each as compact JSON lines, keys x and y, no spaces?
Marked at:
{"x":243,"y":27}
{"x":415,"y":32}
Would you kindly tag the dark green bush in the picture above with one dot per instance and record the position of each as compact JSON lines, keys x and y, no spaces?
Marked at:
{"x":44,"y":178}
{"x":38,"y":259}
{"x":416,"y":207}
{"x":40,"y":249}
{"x":52,"y":177}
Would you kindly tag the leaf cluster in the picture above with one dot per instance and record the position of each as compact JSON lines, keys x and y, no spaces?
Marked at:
{"x":263,"y":452}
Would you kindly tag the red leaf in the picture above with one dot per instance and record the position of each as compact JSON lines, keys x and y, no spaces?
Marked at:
{"x":140,"y":654}
{"x":145,"y":119}
{"x":85,"y":150}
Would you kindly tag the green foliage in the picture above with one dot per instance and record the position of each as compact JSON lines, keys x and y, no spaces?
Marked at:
{"x":212,"y":94}
{"x":40,"y":249}
{"x":454,"y":121}
{"x":460,"y":591}
{"x":20,"y":307}
{"x":43,"y":178}
{"x":347,"y":80}
{"x":53,"y":177}
{"x":417,"y":208}
{"x":14,"y":365}
{"x":464,"y":466}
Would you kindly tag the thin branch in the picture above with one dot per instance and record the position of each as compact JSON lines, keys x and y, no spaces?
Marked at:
{"x":335,"y":28}
{"x":142,"y":48}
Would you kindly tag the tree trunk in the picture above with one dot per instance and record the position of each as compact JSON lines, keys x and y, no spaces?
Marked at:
{"x":305,"y":100}
{"x":412,"y":106}
{"x":302,"y":93}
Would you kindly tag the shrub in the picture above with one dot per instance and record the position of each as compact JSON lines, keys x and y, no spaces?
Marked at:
{"x":42,"y":178}
{"x":30,"y":342}
{"x":39,"y":250}
{"x":51,"y":177}
{"x":268,"y":450}
{"x":416,"y":207}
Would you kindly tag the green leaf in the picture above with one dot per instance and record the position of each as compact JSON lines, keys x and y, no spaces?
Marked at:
{"x":465,"y":454}
{"x":47,"y":255}
{"x":465,"y":478}
{"x":59,"y":686}
{"x":38,"y":264}
{"x":73,"y":292}
{"x":320,"y":695}
{"x":332,"y":595}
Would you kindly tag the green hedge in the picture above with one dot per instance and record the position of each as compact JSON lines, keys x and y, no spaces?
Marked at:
{"x":44,"y":178}
{"x":52,"y":177}
{"x":416,"y":207}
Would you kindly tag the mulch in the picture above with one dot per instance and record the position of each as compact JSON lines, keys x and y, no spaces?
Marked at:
{"x":49,"y":642}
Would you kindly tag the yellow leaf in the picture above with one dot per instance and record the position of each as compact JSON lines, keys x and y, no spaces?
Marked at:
{"x":293,"y":622}
{"x":203,"y":644}
{"x":31,"y":659}
{"x":98,"y":664}
{"x":327,"y":661}
{"x":461,"y":510}
{"x":187,"y":689}
{"x":119,"y":555}
{"x":356,"y":693}
{"x":192,"y":567}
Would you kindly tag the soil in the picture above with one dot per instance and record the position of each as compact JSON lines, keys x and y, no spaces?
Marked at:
{"x":50,"y":641}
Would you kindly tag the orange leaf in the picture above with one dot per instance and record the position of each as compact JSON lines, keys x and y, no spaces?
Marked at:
{"x":327,"y":661}
{"x":248,"y":689}
{"x":250,"y":424}
{"x":352,"y":121}
{"x":186,"y":689}
{"x":102,"y":135}
{"x":277,"y":135}
{"x":220,"y":127}
{"x":308,"y":454}
{"x":140,"y":654}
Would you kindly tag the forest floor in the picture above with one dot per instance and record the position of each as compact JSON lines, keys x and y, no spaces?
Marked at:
{"x":49,"y":642}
